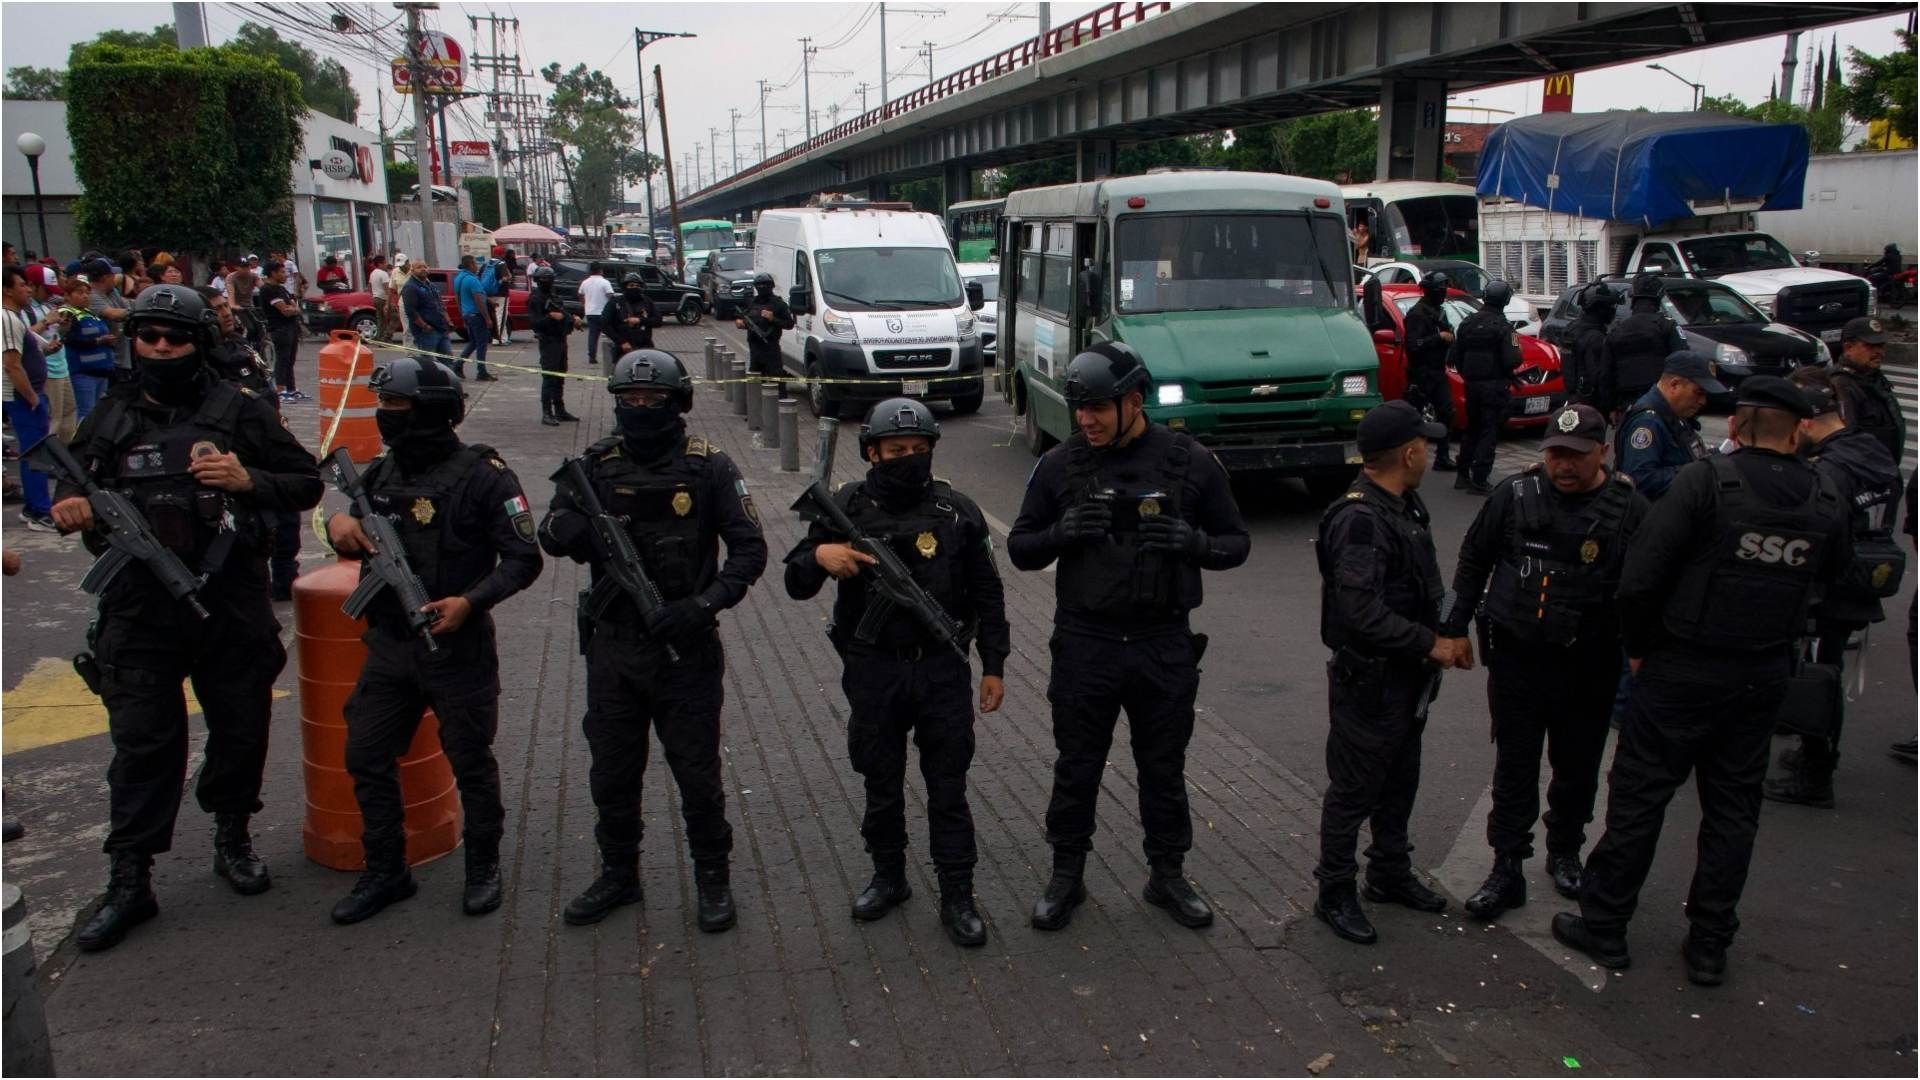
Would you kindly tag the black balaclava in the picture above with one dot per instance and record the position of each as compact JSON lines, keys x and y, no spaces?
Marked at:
{"x":177,"y":382}
{"x":417,"y":437}
{"x":900,"y":483}
{"x":649,"y":430}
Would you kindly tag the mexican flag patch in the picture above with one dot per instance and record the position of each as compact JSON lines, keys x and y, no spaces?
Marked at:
{"x":518,"y":505}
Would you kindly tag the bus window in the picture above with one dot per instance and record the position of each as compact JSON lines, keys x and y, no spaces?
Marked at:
{"x":1226,"y":262}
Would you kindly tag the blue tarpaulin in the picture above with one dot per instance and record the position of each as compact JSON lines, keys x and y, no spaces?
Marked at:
{"x":1643,"y":167}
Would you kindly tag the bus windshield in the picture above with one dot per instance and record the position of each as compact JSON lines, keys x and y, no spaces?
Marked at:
{"x":1435,"y":227}
{"x":1230,"y":262}
{"x":889,"y":278}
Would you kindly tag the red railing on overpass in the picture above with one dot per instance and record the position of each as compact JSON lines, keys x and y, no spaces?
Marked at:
{"x":1107,"y":19}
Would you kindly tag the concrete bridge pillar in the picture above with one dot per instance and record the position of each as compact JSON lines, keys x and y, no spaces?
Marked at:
{"x":878,"y":190}
{"x":956,"y":183}
{"x":1093,"y":158}
{"x":1413,"y":125}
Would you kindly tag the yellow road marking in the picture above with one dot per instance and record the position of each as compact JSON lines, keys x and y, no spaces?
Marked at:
{"x":51,"y":705}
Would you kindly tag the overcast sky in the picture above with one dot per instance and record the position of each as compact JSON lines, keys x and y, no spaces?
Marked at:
{"x":739,"y":43}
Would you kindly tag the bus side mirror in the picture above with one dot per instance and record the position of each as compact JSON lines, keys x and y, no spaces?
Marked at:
{"x":976,"y":296}
{"x":800,"y":299}
{"x":1090,"y":293}
{"x":1370,"y":301}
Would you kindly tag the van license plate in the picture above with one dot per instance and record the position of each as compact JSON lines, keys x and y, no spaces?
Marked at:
{"x":1534,"y":406}
{"x":1829,"y":335}
{"x":914,"y":387}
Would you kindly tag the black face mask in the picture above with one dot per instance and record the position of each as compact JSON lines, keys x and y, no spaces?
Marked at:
{"x":900,"y":483}
{"x":634,"y":296}
{"x":416,"y":439}
{"x":764,"y":292}
{"x":176,"y":382}
{"x":649,"y":430}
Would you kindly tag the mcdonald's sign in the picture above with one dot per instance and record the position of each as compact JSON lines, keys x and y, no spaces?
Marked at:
{"x":1558,"y":95}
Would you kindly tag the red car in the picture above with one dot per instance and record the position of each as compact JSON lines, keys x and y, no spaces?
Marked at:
{"x":1537,"y":387}
{"x":353,"y":310}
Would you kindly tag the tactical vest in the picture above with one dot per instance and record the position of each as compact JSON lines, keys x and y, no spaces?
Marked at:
{"x":1557,"y":566}
{"x":426,"y":510}
{"x":200,"y":524}
{"x":1879,"y":563}
{"x":1483,"y":340}
{"x":237,"y":363}
{"x":927,"y":538}
{"x":664,"y":510}
{"x":1749,"y":588}
{"x":1116,"y":576}
{"x":1412,"y":598}
{"x":1639,"y":345}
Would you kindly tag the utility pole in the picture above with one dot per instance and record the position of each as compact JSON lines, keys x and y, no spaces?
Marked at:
{"x":666,"y":154}
{"x":189,"y":26}
{"x":926,"y":50}
{"x":863,"y":98}
{"x":422,"y":148}
{"x":1046,"y":22}
{"x":763,"y":119}
{"x":495,"y":62}
{"x":713,"y":153}
{"x":642,"y":39}
{"x":733,"y":127}
{"x":806,"y":79}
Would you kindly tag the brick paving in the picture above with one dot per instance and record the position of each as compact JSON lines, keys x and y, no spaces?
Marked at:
{"x":225,"y":984}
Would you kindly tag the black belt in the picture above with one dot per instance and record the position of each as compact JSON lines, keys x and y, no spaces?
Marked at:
{"x":906,"y":654}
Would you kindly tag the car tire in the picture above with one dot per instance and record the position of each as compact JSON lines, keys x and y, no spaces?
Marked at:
{"x":968,"y":404}
{"x":364,"y":324}
{"x":1038,"y":440}
{"x":688,"y":312}
{"x":821,"y":399}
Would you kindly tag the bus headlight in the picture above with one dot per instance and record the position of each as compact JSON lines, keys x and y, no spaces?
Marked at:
{"x":1353,"y":385}
{"x":1170,"y":394}
{"x":837,"y":325}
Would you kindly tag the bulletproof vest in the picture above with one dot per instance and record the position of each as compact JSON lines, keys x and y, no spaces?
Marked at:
{"x":1411,"y":597}
{"x":1434,"y":355}
{"x":1589,"y":349}
{"x":615,"y":319}
{"x":235,"y":362}
{"x":1878,"y":561}
{"x":927,"y":539}
{"x":1116,"y":576}
{"x":150,"y":465}
{"x":1483,"y":346}
{"x":1639,"y":345}
{"x":426,"y":509}
{"x":663,"y":508}
{"x":1875,"y":407}
{"x":1748,"y":588}
{"x":1557,"y":564}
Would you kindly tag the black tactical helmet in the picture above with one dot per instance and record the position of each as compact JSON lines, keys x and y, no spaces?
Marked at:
{"x":898,"y":416}
{"x":1499,"y":294}
{"x":631,"y":281}
{"x":763,"y":280}
{"x":1647,"y":286}
{"x":1434,"y":285}
{"x":652,"y":368}
{"x":1105,"y":372}
{"x":1597,"y":297}
{"x":429,"y":384}
{"x":175,"y":305}
{"x":542,"y":274}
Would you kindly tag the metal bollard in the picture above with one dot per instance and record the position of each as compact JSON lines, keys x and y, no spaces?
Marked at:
{"x":770,"y":416}
{"x":740,"y":387}
{"x":789,"y":435}
{"x":712,"y":351}
{"x":726,"y":373}
{"x":754,"y":422}
{"x":29,"y":1048}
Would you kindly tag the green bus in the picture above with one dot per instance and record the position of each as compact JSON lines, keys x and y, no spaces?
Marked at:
{"x":974,"y":228}
{"x":1234,"y":287}
{"x":700,"y":238}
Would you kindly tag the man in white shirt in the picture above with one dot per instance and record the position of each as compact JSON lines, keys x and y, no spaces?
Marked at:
{"x":595,"y":291}
{"x":377,"y":283}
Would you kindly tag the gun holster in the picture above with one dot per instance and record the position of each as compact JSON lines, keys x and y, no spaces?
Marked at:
{"x":85,"y":666}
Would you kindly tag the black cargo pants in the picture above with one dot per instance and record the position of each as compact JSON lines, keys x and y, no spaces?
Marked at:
{"x":927,"y":691}
{"x":1373,"y":764}
{"x":1559,"y":698}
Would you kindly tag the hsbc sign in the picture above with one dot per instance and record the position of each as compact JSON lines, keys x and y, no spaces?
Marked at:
{"x":342,"y":162}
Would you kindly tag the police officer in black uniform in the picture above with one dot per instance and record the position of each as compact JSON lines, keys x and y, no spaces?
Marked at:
{"x":764,"y":318}
{"x":208,"y":463}
{"x":1638,"y":346}
{"x":1133,"y":512}
{"x":1584,"y":362}
{"x":679,"y":497}
{"x":1429,"y":337}
{"x":469,"y":535}
{"x":1380,"y":613}
{"x":1868,"y":401}
{"x":1714,"y":592}
{"x":629,"y":318}
{"x":234,"y":360}
{"x":1545,"y":555}
{"x":1486,"y":353}
{"x":1868,"y":483}
{"x":551,"y":325}
{"x":1659,"y":434}
{"x":903,"y":680}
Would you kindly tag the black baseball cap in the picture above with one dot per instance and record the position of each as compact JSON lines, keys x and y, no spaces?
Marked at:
{"x":1864,"y":329}
{"x":1773,"y":392}
{"x":1697,"y":366}
{"x":1579,"y":428}
{"x":1395,"y":424}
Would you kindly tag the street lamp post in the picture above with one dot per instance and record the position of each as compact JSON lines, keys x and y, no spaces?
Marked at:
{"x":1699,"y":89}
{"x":33,"y":146}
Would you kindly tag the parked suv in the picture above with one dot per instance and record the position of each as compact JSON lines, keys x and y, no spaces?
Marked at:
{"x":726,"y":280}
{"x":1716,"y":320}
{"x":671,"y":297}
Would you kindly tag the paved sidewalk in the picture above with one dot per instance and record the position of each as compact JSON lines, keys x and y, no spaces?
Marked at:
{"x":222,"y":984}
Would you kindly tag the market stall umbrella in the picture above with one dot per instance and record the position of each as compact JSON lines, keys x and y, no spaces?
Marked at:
{"x":526,"y":232}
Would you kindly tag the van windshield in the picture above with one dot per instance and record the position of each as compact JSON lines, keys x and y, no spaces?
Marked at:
{"x":888,"y":278}
{"x":1230,"y":262}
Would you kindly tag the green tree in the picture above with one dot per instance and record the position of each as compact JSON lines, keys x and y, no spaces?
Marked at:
{"x":324,"y":83}
{"x":210,"y":185}
{"x":597,"y":136}
{"x":401,"y":177}
{"x":1826,"y":128}
{"x":36,"y":84}
{"x":1882,"y":87}
{"x":486,"y":201}
{"x":160,"y":37}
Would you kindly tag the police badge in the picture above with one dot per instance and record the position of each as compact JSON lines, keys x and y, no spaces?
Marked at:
{"x":1568,"y":420}
{"x":1589,"y":551}
{"x":682,"y":504}
{"x":1149,"y":507}
{"x":926,"y":545}
{"x":423,"y":510}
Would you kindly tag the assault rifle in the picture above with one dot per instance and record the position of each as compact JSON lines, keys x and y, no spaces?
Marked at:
{"x":388,"y":562}
{"x":129,"y":536}
{"x":891,"y":586}
{"x":623,"y":572}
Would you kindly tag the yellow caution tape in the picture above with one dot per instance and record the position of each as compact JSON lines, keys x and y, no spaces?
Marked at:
{"x":702,"y":380}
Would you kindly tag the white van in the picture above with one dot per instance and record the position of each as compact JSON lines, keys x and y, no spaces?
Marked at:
{"x":879,"y":307}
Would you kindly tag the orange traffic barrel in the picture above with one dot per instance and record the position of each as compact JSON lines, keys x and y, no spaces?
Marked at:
{"x":331,"y":656}
{"x":344,"y":366}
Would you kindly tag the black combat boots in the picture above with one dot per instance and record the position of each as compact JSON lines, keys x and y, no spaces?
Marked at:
{"x":1338,"y":905}
{"x":712,"y":882}
{"x":957,"y":911}
{"x":1169,"y":888}
{"x":617,"y":886}
{"x":233,"y":856}
{"x":1505,"y":887}
{"x":1405,"y":890}
{"x":385,"y":881}
{"x":1065,"y":891}
{"x":1567,"y":873}
{"x":887,"y":890}
{"x":128,"y":903}
{"x":484,"y":889}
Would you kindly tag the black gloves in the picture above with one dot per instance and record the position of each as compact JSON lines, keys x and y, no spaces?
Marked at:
{"x":1167,"y":533}
{"x":1083,"y":523}
{"x":681,"y":619}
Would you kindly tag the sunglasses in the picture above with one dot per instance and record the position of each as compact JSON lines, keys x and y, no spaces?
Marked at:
{"x":153,"y":335}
